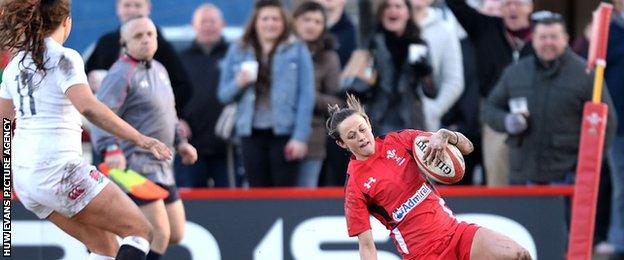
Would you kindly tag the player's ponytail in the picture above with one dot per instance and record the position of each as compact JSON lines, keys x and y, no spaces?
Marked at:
{"x":338,"y":114}
{"x":24,"y":25}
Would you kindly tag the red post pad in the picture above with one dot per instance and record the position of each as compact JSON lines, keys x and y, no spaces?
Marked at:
{"x":587,"y":178}
{"x":600,"y":33}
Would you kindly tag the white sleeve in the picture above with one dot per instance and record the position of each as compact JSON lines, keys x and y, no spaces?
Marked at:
{"x":449,"y":78}
{"x":70,"y":70}
{"x":452,"y":72}
{"x":4,"y":90}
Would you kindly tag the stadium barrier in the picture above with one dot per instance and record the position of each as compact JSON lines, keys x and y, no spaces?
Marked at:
{"x":280,"y":224}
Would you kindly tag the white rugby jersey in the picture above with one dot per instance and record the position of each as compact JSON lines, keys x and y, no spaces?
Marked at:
{"x":48,"y":125}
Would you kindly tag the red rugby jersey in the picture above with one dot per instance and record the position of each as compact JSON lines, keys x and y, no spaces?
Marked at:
{"x":390,"y":186}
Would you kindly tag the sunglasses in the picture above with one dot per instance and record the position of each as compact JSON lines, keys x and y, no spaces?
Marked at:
{"x":541,"y":16}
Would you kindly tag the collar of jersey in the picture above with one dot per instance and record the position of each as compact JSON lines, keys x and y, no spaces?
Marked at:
{"x":146,"y":63}
{"x":52,"y":44}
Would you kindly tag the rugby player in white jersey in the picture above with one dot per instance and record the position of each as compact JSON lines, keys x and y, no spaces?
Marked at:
{"x":44,"y":88}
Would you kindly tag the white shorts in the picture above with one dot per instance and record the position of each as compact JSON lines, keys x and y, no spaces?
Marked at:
{"x":65,"y":187}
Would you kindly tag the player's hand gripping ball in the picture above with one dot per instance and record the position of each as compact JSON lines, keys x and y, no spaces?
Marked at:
{"x":448,"y":171}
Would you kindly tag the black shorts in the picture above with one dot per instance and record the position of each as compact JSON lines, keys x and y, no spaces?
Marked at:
{"x":173,"y":195}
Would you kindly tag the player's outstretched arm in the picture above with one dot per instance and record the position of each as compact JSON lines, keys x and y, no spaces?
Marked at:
{"x":87,"y":104}
{"x":367,"y":246}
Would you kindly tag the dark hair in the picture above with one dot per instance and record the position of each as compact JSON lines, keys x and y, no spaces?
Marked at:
{"x":325,"y":41}
{"x":412,"y":31}
{"x":338,"y":114}
{"x":250,"y":38}
{"x":24,"y":25}
{"x":250,"y":35}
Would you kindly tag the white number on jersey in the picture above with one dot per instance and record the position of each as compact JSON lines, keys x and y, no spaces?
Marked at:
{"x":25,"y":89}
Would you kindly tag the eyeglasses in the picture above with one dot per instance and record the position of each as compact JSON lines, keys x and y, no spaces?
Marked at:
{"x":542,"y":16}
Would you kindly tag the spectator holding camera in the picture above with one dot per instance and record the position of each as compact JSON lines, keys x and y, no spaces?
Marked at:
{"x":446,"y":60}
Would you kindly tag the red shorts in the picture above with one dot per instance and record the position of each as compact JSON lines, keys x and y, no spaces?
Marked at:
{"x":461,"y":243}
{"x":454,"y":247}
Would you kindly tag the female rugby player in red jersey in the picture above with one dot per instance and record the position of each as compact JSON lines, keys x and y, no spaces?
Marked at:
{"x":384,"y":181}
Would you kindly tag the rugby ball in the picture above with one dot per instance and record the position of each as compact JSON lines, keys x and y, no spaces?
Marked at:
{"x":447,"y":171}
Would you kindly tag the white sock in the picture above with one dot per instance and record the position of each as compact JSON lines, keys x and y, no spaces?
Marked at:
{"x":137,"y":242}
{"x":94,"y":256}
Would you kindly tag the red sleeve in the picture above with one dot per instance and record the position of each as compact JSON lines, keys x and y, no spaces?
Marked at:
{"x":356,"y":211}
{"x":407,"y":136}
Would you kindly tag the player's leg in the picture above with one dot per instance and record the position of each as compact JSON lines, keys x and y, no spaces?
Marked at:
{"x":113,"y":211}
{"x":81,"y":193}
{"x":156,"y":214}
{"x":488,"y":244}
{"x":177,"y":220}
{"x":97,"y":240}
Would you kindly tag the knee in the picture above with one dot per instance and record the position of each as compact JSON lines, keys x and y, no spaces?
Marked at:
{"x":174,"y":240}
{"x":161,"y":235}
{"x":176,"y":237}
{"x":142,"y":229}
{"x":148,"y":231}
{"x":521,"y":254}
{"x":105,"y":244}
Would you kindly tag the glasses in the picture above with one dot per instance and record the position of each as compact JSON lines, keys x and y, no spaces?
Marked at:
{"x":542,"y":16}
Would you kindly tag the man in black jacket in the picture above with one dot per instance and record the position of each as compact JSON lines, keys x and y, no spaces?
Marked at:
{"x":343,"y":31}
{"x":341,"y":27}
{"x":498,"y":42}
{"x":539,"y":103}
{"x":201,"y":61}
{"x":108,"y":49}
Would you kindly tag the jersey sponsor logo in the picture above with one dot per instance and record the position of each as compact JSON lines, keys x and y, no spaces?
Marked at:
{"x":391,"y":154}
{"x":75,"y":193}
{"x":370,"y":182}
{"x":419,"y":196}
